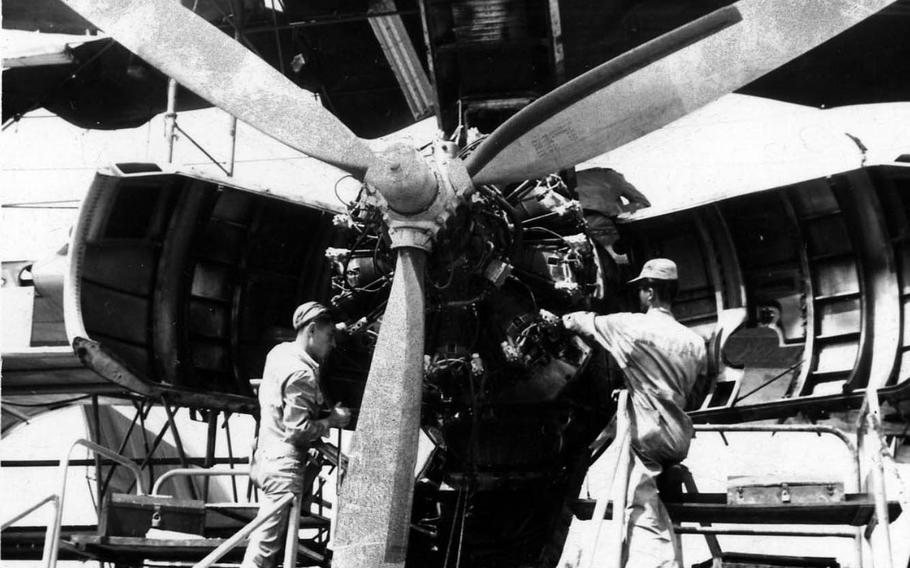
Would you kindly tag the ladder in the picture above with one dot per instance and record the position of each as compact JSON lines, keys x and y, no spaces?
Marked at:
{"x":864,"y":508}
{"x":196,"y":550}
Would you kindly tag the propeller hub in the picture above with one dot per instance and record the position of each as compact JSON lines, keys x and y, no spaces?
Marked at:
{"x":416,"y":197}
{"x":404,"y":179}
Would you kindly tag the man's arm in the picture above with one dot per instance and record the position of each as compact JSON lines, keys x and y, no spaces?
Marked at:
{"x":581,"y":323}
{"x":301,"y":410}
{"x":606,"y":330}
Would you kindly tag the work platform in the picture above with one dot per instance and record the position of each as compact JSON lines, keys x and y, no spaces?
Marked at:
{"x":856,"y":510}
{"x":126,"y":549}
{"x":859,"y":510}
{"x":135,"y":528}
{"x":850,"y":505}
{"x":83,"y":543}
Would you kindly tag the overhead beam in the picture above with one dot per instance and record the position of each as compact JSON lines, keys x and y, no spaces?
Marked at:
{"x":402,"y":57}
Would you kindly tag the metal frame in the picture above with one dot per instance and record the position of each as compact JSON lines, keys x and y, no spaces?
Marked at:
{"x":52,"y":538}
{"x":855,"y":484}
{"x":620,"y":489}
{"x":290,"y":550}
{"x":166,"y":476}
{"x":291,"y":544}
{"x":869,"y":201}
{"x":868,"y":423}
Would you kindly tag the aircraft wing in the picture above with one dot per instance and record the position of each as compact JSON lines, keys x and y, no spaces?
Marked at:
{"x":743,"y":144}
{"x":30,"y":49}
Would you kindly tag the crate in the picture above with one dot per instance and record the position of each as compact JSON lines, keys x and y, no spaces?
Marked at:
{"x":133,"y":515}
{"x":757,"y":490}
{"x":742,"y":560}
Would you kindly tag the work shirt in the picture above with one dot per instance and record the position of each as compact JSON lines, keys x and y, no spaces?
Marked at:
{"x":290,"y":400}
{"x":661,"y":360}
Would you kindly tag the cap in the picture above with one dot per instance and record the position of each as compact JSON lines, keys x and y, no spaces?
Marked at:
{"x":307,"y":312}
{"x":657,"y":269}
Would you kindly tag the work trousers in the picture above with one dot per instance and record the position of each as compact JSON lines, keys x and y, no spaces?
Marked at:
{"x":650,"y":542}
{"x":276,"y":474}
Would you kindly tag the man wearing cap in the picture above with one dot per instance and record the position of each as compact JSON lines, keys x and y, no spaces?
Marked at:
{"x":604,"y":194}
{"x":661,"y":360}
{"x":294,"y":414}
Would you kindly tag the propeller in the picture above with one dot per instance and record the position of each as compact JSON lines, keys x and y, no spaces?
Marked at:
{"x":610,"y":105}
{"x":376,"y":504}
{"x":658,"y":82}
{"x":210,"y":63}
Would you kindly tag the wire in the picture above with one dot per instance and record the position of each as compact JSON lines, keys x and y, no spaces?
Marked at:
{"x":510,"y":212}
{"x":452,"y":269}
{"x":769,"y":381}
{"x":458,"y":501}
{"x":338,"y":196}
{"x":201,"y":149}
{"x":464,"y":514}
{"x":549,"y":232}
{"x":527,"y":289}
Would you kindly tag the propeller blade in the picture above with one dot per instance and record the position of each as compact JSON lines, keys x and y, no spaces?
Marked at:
{"x":375,"y":507}
{"x":658,"y":82}
{"x":211,"y":64}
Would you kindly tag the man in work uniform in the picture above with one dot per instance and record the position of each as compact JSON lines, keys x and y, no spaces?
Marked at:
{"x":661,"y":360}
{"x":604,"y":194}
{"x":292,"y":407}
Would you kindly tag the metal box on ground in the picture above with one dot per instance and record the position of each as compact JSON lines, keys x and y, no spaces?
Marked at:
{"x":133,"y":515}
{"x":741,"y":560}
{"x":763,"y":490}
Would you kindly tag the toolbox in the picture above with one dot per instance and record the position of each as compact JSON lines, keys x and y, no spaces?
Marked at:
{"x":759,"y":490}
{"x":744,"y":560}
{"x":133,"y":515}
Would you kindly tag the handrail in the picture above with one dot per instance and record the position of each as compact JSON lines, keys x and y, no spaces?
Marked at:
{"x":226,"y":546}
{"x":34,"y":507}
{"x":809,"y":428}
{"x":293,"y":532}
{"x":52,"y":538}
{"x":290,"y":549}
{"x":191,"y":472}
{"x":621,"y":470}
{"x":869,"y":421}
{"x":855,"y":463}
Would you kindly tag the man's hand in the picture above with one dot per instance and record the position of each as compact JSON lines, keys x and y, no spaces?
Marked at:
{"x":338,"y":417}
{"x":549,"y":320}
{"x":570,"y":320}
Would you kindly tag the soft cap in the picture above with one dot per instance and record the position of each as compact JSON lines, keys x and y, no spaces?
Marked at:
{"x":307,"y":312}
{"x":657,"y":269}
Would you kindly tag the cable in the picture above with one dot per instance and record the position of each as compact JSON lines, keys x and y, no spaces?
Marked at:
{"x":337,"y":196}
{"x":458,"y":500}
{"x":769,"y":381}
{"x":527,"y":288}
{"x":551,"y":232}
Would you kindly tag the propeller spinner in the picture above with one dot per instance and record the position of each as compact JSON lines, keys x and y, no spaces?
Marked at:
{"x":615,"y":103}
